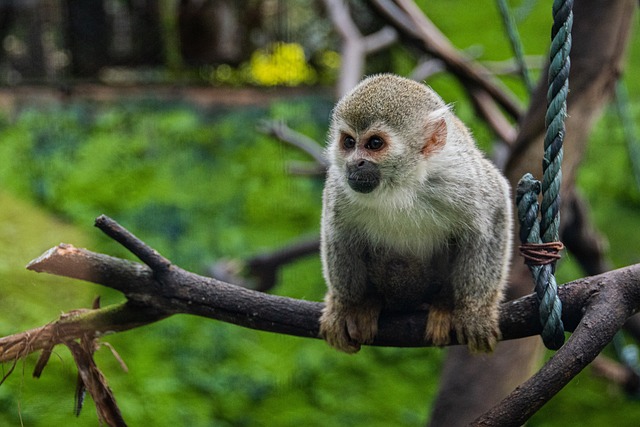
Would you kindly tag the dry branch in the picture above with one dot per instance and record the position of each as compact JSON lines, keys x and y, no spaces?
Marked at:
{"x":91,"y":379}
{"x":284,"y":133}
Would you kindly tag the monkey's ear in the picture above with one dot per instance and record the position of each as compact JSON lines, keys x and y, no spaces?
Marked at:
{"x":435,"y":133}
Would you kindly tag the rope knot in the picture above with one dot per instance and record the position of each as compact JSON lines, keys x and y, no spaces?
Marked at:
{"x":541,"y":253}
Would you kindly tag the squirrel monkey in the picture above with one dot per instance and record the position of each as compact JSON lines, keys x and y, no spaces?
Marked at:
{"x":413,"y":214}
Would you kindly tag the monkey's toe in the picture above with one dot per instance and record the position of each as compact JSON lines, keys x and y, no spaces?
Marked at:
{"x":480,"y":333}
{"x":362,"y":325}
{"x":346,"y":329}
{"x":478,"y":341}
{"x":439,"y":323}
{"x":333,"y":329}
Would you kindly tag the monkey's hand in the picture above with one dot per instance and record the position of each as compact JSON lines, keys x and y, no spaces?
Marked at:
{"x":347,"y":327}
{"x":475,"y":326}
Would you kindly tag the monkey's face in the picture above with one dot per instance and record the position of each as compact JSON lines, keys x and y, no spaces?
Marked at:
{"x":384,"y":136}
{"x":369,"y":159}
{"x":362,"y":172}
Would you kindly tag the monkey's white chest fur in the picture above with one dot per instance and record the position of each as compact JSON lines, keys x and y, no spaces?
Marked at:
{"x":398,"y":220}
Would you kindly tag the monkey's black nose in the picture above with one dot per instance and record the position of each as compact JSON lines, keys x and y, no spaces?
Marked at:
{"x":363,"y":176}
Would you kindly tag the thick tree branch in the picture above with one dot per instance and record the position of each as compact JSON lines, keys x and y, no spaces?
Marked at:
{"x":595,"y":307}
{"x":153,"y":295}
{"x":605,"y":313}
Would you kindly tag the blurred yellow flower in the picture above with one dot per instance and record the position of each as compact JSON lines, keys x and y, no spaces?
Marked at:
{"x":281,"y":64}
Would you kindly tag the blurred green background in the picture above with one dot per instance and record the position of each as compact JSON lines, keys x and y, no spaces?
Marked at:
{"x":200,"y":184}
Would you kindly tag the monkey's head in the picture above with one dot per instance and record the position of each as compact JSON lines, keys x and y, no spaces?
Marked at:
{"x":384,"y":132}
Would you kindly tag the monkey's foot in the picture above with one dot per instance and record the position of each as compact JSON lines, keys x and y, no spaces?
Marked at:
{"x":347,"y":328}
{"x":476,"y":328}
{"x":439,"y":326}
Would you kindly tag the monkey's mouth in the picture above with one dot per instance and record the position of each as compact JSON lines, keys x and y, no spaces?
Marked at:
{"x":363,"y":182}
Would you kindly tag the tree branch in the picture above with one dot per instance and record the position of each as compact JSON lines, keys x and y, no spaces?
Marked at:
{"x":156,"y":294}
{"x":260,"y":272}
{"x":355,"y":46}
{"x":284,"y":133}
{"x":605,"y":313}
{"x":617,"y":373}
{"x":595,"y":307}
{"x":75,"y":324}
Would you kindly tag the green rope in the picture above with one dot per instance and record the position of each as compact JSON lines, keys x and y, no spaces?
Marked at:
{"x":516,"y":43}
{"x":546,"y":286}
{"x":554,"y":119}
{"x":528,"y":188}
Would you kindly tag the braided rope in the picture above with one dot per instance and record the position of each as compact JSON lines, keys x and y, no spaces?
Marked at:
{"x":547,"y":232}
{"x":554,"y":120}
{"x":542,"y":270}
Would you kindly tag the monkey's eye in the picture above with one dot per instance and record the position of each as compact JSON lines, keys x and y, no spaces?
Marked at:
{"x":348,"y":142}
{"x":374,"y":143}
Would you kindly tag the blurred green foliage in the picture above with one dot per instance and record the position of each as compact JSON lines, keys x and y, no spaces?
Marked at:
{"x":201,"y":185}
{"x":165,"y":172}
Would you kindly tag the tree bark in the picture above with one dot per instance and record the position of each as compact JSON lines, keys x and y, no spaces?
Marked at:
{"x":601,"y":31}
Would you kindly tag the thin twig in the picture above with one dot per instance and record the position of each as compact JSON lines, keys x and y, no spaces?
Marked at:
{"x":284,"y":133}
{"x":146,"y":254}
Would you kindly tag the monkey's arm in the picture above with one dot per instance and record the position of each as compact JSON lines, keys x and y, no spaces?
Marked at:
{"x":470,"y":305}
{"x":350,"y":316}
